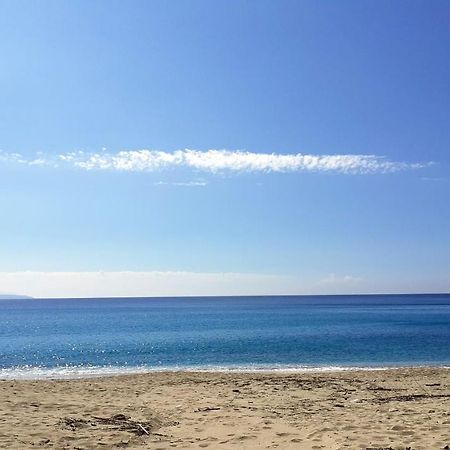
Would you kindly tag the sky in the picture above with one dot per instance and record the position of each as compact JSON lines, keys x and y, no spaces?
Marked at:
{"x":154,"y":148}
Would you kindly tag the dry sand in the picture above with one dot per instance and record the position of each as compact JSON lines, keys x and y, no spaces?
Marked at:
{"x":399,"y":409}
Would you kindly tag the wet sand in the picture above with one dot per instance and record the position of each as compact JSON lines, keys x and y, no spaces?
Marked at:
{"x":398,"y":409}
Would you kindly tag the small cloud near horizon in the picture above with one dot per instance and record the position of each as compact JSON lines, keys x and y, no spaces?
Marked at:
{"x":332,"y":278}
{"x":185,"y":283}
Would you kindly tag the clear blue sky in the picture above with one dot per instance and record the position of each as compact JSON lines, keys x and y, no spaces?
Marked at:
{"x":262,"y":77}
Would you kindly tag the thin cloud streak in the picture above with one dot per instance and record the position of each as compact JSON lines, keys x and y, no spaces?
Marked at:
{"x":199,"y":183}
{"x":235,"y":161}
{"x":217,"y":161}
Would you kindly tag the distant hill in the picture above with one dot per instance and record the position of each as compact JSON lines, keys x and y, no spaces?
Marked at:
{"x":13,"y":297}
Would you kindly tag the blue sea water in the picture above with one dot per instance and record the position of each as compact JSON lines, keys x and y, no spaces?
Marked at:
{"x":79,"y":337}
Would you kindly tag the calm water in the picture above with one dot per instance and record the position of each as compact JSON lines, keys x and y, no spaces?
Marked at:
{"x":79,"y":337}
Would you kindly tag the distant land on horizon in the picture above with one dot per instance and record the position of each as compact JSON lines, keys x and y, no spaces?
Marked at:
{"x":14,"y":297}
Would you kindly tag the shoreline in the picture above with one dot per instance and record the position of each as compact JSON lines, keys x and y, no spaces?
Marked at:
{"x":397,"y":408}
{"x":36,"y":373}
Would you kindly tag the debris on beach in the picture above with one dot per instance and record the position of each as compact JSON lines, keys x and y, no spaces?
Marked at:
{"x":411,"y":397}
{"x":119,"y":422}
{"x":207,"y":408}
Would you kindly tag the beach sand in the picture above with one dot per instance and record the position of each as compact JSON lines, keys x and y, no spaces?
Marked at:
{"x":399,"y":409}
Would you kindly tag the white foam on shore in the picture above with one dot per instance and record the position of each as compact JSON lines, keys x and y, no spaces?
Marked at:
{"x":81,"y":372}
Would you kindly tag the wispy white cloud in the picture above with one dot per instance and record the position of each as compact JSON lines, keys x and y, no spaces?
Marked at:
{"x":432,"y":179}
{"x":12,"y":158}
{"x":17,"y":158}
{"x":195,"y":183}
{"x":214,"y":161}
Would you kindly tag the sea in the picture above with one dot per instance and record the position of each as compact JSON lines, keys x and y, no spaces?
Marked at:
{"x":73,"y":338}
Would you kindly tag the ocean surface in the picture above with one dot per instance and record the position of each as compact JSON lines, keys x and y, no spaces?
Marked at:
{"x":88,"y":337}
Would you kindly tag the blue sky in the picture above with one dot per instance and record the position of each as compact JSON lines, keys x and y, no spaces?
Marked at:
{"x":318,"y":145}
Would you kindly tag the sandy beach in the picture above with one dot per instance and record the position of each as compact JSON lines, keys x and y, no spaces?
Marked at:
{"x":398,"y":409}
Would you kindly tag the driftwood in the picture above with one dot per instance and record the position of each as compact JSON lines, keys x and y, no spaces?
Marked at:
{"x":117,"y":422}
{"x":411,"y":397}
{"x":385,"y":448}
{"x":73,"y":423}
{"x":124,"y":423}
{"x":207,"y":408}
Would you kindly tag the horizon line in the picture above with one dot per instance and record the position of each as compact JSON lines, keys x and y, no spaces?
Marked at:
{"x":373,"y":294}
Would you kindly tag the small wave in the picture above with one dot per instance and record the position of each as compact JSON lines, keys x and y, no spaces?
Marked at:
{"x":81,"y":372}
{"x":67,"y":372}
